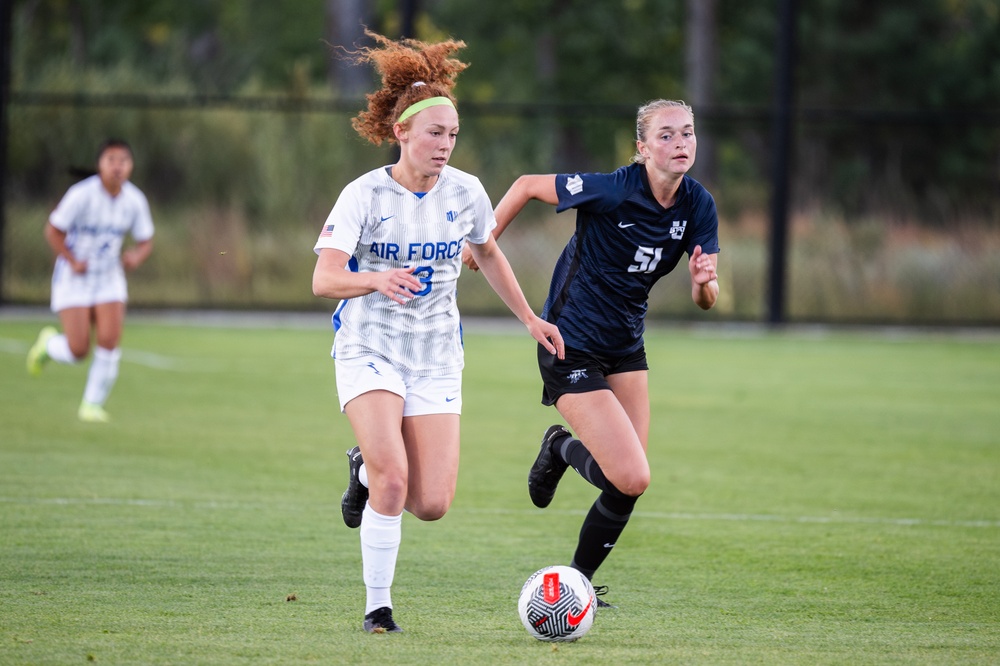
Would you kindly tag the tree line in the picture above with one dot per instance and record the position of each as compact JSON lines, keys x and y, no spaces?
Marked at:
{"x":897,"y":102}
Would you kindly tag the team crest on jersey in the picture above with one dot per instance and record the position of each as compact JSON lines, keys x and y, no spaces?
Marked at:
{"x":451,"y":215}
{"x":574,"y":184}
{"x":576,"y":376}
{"x":677,"y":229}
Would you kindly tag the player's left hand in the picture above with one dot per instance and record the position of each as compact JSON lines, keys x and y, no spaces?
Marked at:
{"x":548,"y":335}
{"x":702,"y":266}
{"x":130,"y":260}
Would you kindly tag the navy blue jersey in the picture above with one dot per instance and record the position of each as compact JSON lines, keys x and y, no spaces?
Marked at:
{"x":624,"y":242}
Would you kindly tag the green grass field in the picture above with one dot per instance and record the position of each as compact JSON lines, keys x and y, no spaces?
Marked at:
{"x":817,"y":498}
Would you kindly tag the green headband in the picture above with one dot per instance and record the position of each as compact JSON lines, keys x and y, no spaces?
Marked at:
{"x":423,"y":104}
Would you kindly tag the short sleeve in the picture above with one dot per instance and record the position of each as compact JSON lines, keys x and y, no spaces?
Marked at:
{"x":706,"y":230}
{"x":142,"y":226}
{"x":342,"y":229}
{"x":599,"y":192}
{"x":484,"y":220}
{"x":68,"y":208}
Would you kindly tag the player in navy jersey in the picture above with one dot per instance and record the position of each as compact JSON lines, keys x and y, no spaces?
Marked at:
{"x":391,"y":250}
{"x":632,"y":227}
{"x":86,"y":232}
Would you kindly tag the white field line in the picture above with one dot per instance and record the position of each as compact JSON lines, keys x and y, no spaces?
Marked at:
{"x":152,"y":360}
{"x":765,"y":518}
{"x":9,"y":346}
{"x":654,"y":515}
{"x":147,"y":359}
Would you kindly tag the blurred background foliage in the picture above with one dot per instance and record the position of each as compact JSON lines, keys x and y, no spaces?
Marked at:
{"x":239,"y":113}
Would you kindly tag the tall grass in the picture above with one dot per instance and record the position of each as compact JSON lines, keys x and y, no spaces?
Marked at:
{"x":875,"y":271}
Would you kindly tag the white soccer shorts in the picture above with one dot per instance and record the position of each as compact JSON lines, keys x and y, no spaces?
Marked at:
{"x":75,"y":290}
{"x":421,"y":395}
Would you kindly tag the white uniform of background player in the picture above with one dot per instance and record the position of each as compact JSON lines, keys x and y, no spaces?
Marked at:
{"x":87,"y":231}
{"x":96,"y":224}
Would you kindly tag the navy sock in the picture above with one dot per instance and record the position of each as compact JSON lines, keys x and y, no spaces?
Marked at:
{"x":578,"y":457}
{"x":600,"y":531}
{"x":607,"y":517}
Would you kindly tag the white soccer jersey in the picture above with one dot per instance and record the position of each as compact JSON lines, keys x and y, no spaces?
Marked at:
{"x":96,"y":223}
{"x":382,"y":226}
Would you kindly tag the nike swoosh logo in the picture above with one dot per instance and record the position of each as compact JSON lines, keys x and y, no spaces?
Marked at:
{"x":622,"y":225}
{"x":386,"y":218}
{"x":574,"y":620}
{"x":450,"y":399}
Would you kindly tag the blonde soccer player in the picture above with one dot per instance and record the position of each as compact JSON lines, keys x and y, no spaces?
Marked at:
{"x":633,"y":226}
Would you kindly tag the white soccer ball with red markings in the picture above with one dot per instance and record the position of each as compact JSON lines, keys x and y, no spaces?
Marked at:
{"x":557,"y":604}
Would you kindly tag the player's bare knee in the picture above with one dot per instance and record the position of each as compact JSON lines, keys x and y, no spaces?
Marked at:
{"x":109,"y":342}
{"x":79,"y":351}
{"x":430,"y":514}
{"x":639,"y":487}
{"x":391,"y":487}
{"x":431,"y":509}
{"x":630,"y":477}
{"x":633,"y":484}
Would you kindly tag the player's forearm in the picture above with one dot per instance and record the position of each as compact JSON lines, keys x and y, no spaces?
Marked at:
{"x":339,"y":284}
{"x":137,"y":255}
{"x":705,"y":295}
{"x":331,"y":278}
{"x":57,"y":241}
{"x":508,"y":208}
{"x":501,"y":278}
{"x":523,"y":190}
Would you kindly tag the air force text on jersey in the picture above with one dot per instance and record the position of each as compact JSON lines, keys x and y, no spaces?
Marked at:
{"x":435,"y":251}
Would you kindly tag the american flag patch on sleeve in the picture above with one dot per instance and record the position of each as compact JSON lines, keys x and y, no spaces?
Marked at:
{"x":327,"y":231}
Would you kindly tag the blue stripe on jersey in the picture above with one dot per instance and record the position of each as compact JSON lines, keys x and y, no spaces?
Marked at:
{"x":335,"y":319}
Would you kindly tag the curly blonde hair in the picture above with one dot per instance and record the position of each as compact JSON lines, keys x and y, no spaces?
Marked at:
{"x":402,"y":64}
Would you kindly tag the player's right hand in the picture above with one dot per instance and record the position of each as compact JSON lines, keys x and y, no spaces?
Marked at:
{"x":399,"y":284}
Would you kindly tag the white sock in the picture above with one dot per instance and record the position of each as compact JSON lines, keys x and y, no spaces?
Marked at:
{"x":58,"y":350}
{"x":380,"y":537}
{"x":102,"y":375}
{"x":363,"y":475}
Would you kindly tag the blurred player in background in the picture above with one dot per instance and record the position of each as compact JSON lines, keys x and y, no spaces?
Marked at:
{"x":391,"y":249}
{"x":89,"y":291}
{"x":633,"y":225}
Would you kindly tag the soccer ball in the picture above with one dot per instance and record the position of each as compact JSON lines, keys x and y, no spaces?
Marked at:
{"x":557,"y":604}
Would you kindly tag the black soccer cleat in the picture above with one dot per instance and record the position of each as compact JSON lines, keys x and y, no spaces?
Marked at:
{"x":544,"y":475}
{"x":380,"y":621}
{"x":356,"y":496}
{"x":600,"y":591}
